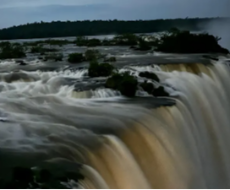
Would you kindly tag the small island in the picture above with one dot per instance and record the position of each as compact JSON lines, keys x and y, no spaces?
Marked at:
{"x":172,"y":41}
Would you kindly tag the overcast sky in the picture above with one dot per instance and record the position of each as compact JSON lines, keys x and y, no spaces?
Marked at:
{"x":15,"y":12}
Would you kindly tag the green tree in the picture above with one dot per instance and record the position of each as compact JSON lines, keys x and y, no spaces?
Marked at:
{"x":11,"y":51}
{"x":76,"y":58}
{"x":100,"y":70}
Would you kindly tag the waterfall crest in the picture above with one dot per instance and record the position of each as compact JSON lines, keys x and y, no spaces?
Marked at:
{"x":123,"y":146}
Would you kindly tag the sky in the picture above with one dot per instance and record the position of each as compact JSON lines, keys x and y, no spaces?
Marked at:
{"x":15,"y":12}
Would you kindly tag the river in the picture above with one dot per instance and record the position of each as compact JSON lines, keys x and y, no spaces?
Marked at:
{"x":53,"y":112}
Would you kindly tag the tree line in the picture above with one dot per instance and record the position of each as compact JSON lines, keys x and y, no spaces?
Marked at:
{"x":99,"y":27}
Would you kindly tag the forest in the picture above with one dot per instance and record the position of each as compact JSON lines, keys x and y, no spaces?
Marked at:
{"x":100,"y":27}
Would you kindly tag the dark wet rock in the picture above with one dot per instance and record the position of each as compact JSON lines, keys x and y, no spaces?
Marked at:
{"x":79,"y":87}
{"x":124,"y":83}
{"x":160,"y":92}
{"x":60,"y":165}
{"x":210,"y":57}
{"x":149,"y":75}
{"x":4,"y":120}
{"x":45,"y":175}
{"x":22,"y":174}
{"x":157,"y":92}
{"x":21,"y":62}
{"x":147,"y":102}
{"x":148,"y":87}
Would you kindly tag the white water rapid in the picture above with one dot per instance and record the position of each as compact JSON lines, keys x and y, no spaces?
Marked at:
{"x":119,"y":145}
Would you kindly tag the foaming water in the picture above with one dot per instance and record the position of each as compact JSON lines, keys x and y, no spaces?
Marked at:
{"x":43,"y":119}
{"x":65,"y":73}
{"x":13,"y":65}
{"x":99,"y":93}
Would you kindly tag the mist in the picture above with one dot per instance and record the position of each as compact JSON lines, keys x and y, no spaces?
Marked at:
{"x":220,"y":28}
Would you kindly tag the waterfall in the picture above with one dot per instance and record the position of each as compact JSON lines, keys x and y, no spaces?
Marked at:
{"x":99,"y":93}
{"x":123,"y":146}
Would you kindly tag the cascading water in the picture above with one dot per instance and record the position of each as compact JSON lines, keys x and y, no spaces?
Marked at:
{"x":121,"y":145}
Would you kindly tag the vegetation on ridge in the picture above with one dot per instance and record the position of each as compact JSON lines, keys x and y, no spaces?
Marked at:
{"x":98,"y":27}
{"x":185,"y":42}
